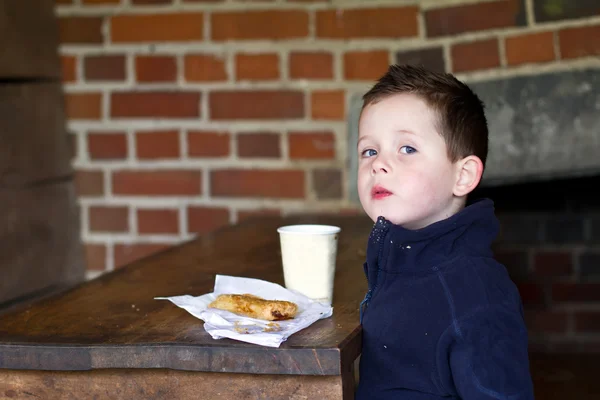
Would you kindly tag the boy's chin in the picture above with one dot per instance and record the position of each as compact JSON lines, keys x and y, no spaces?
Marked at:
{"x":403,"y":222}
{"x":388,"y":217}
{"x":394,"y":219}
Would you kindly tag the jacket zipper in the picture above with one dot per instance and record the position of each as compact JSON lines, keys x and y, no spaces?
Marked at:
{"x":365,"y":303}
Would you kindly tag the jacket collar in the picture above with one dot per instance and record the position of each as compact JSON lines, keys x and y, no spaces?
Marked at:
{"x":396,"y":249}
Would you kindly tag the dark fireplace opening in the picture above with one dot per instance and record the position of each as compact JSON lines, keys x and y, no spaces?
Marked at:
{"x":574,"y":194}
{"x":549,"y":241}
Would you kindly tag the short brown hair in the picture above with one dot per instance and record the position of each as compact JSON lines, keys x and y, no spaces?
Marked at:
{"x":461,"y":117}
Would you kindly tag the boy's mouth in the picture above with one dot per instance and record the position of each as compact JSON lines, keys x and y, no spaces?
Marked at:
{"x":379,"y":192}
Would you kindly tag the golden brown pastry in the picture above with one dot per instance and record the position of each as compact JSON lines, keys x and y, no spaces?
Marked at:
{"x":255,"y":307}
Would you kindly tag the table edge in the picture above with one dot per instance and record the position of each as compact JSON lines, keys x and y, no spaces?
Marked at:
{"x":190,"y":357}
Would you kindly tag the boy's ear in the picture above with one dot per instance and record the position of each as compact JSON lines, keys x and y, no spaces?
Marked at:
{"x":469,"y":172}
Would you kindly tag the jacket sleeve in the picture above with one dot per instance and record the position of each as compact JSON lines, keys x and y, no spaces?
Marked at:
{"x":489,"y":358}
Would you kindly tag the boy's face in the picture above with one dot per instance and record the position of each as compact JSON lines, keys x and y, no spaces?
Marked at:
{"x":404,"y":173}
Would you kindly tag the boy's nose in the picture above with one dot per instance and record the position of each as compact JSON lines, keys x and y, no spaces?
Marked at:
{"x":378,"y":170}
{"x":379,"y":166}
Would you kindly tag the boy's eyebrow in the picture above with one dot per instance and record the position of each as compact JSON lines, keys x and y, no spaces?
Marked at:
{"x":397,"y":131}
{"x":359,"y":140}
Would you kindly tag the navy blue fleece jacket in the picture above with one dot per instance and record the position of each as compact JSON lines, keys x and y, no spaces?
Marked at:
{"x":442,"y":318}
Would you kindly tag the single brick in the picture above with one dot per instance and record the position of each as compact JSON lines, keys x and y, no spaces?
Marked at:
{"x":155,"y":104}
{"x":576,"y":292}
{"x":83,"y":105}
{"x":530,"y":48}
{"x":311,"y":65}
{"x":328,"y":105}
{"x":69,"y":68}
{"x":107,"y":145}
{"x":259,"y":145}
{"x":257,"y":66}
{"x":256,"y":104}
{"x":366,"y":65}
{"x":546,"y":321}
{"x":257,"y":183}
{"x":165,"y":27}
{"x":431,"y":58}
{"x":80,"y":30}
{"x":155,"y":68}
{"x":475,"y":17}
{"x":381,"y":22}
{"x":478,"y":55}
{"x":159,"y":144}
{"x":204,"y":68}
{"x":108,"y":219}
{"x":208,"y":144}
{"x":157,"y":183}
{"x":532,"y":294}
{"x":311,"y":145}
{"x":552,"y":263}
{"x":579,"y":41}
{"x":255,"y":25}
{"x":104,"y":68}
{"x":95,"y":257}
{"x":89,"y":183}
{"x":206,"y":219}
{"x":157,"y":221}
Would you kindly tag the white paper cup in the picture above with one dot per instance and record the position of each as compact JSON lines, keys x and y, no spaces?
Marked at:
{"x":308,"y":254}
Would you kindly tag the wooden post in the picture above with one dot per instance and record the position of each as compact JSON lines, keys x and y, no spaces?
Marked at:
{"x":40,"y":247}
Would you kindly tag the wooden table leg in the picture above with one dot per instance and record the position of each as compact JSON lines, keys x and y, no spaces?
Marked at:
{"x":349,"y":381}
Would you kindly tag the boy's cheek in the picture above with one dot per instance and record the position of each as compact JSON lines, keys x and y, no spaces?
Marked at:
{"x":360,"y":178}
{"x":362,"y":192}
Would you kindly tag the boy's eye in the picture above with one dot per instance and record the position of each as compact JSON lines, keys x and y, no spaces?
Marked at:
{"x":407,"y":150}
{"x":368,"y":153}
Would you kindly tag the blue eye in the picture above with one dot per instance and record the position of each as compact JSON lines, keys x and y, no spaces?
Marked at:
{"x":407,"y":150}
{"x":368,"y":153}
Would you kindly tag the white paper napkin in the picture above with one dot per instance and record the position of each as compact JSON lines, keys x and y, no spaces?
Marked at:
{"x":220,"y":323}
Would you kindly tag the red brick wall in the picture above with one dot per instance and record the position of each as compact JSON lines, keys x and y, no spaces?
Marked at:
{"x":187,"y":115}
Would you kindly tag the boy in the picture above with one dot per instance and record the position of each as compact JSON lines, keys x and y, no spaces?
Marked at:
{"x":441,"y":318}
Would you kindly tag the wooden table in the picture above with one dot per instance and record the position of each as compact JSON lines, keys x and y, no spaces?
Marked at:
{"x":108,"y":338}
